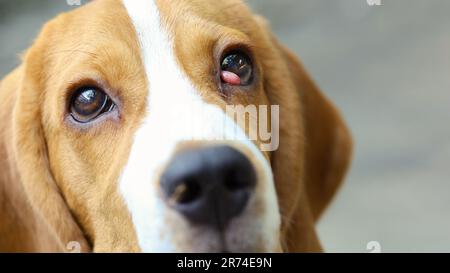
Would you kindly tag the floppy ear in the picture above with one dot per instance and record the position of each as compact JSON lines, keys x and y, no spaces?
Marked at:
{"x":315,"y":145}
{"x":328,"y":143}
{"x":30,"y":149}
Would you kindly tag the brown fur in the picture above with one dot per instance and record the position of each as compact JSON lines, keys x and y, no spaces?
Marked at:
{"x":59,"y":181}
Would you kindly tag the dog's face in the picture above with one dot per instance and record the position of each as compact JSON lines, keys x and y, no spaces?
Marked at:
{"x":132,"y":141}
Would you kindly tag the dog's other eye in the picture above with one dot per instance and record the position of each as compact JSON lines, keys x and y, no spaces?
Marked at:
{"x":236,"y":69}
{"x":88,"y":103}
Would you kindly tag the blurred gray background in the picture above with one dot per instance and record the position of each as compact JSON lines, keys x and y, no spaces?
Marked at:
{"x":388,"y":69}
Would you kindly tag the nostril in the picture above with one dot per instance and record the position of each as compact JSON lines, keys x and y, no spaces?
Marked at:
{"x":233,"y":185}
{"x":239,"y":176}
{"x":235,"y":181}
{"x":186,"y":191}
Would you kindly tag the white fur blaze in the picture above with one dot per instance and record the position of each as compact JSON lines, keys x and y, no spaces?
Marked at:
{"x":174,"y":112}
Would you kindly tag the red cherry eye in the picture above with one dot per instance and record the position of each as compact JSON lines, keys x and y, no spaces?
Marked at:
{"x":230,"y":78}
{"x":237,"y":69}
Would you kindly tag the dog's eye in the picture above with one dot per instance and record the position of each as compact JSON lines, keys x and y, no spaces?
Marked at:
{"x":236,"y":69}
{"x":89,"y":103}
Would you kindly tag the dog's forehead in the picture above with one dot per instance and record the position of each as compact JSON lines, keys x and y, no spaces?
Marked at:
{"x":108,"y":29}
{"x":180,"y":13}
{"x":175,"y":15}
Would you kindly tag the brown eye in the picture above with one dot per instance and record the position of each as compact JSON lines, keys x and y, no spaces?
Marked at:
{"x":88,"y":103}
{"x":237,"y":69}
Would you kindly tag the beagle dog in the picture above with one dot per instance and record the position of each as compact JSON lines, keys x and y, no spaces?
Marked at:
{"x":115,"y":135}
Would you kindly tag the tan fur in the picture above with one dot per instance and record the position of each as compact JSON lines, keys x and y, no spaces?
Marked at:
{"x":59,"y":182}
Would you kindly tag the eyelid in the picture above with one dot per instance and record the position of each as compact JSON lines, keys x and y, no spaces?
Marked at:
{"x":90,"y":79}
{"x":107,"y":105}
{"x":229,"y":39}
{"x":225,"y":44}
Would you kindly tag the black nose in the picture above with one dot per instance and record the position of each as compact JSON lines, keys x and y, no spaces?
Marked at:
{"x":210,"y":185}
